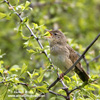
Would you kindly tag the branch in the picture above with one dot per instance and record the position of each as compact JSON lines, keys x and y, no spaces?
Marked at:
{"x":85,"y":60}
{"x":57,"y":94}
{"x":87,"y":65}
{"x":39,"y":96}
{"x":14,"y":82}
{"x":32,"y":34}
{"x":75,"y":62}
{"x":84,"y":84}
{"x":94,"y":59}
{"x":37,"y":39}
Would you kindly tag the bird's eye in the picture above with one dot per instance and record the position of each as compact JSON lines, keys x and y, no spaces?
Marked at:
{"x":55,"y":33}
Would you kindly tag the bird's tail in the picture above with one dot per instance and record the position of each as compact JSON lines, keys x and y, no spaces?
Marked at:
{"x":82,"y":74}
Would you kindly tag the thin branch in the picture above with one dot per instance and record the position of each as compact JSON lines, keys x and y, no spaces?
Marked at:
{"x":36,"y":38}
{"x":14,"y":82}
{"x":57,"y":94}
{"x":32,"y":34}
{"x":39,"y":96}
{"x":2,"y":82}
{"x":85,"y":60}
{"x":94,"y":59}
{"x":87,"y":65}
{"x":75,"y":62}
{"x":82,"y":54}
{"x":84,"y":84}
{"x":24,"y":98}
{"x":67,"y":93}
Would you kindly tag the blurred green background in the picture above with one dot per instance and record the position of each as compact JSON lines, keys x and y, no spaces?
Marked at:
{"x":79,"y":20}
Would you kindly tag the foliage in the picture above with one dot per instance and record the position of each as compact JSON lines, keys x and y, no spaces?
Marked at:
{"x":25,"y":71}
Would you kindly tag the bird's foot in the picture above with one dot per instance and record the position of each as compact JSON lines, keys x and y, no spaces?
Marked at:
{"x":61,"y":76}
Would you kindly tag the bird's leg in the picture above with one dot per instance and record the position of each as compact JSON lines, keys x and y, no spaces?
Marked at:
{"x":61,"y":76}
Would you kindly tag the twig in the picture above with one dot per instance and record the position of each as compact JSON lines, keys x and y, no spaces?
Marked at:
{"x":23,"y":96}
{"x":67,"y":93}
{"x":39,"y":96}
{"x":94,"y":59}
{"x":32,"y":34}
{"x":2,"y":82}
{"x":36,"y":38}
{"x":23,"y":84}
{"x":84,"y":84}
{"x":87,"y":65}
{"x":57,"y":94}
{"x":85,"y":60}
{"x":13,"y":82}
{"x":82,"y":54}
{"x":75,"y":62}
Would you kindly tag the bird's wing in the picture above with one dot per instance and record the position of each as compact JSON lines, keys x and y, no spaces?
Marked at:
{"x":73,"y":57}
{"x":78,"y":68}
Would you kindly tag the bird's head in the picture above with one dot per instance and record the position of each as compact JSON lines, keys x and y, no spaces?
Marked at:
{"x":56,"y":37}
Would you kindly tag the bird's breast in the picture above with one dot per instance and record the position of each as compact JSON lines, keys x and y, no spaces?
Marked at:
{"x":60,"y":57}
{"x":59,"y":61}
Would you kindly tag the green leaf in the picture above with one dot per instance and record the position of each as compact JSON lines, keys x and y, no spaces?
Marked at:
{"x":2,"y":15}
{"x":52,"y":98}
{"x":24,"y":37}
{"x":42,"y":88}
{"x":31,"y":51}
{"x":67,"y":78}
{"x":1,"y":70}
{"x":74,"y":77}
{"x":95,"y":85}
{"x":15,"y":68}
{"x":27,"y":4}
{"x":35,"y":26}
{"x":40,"y":78}
{"x":3,"y":92}
{"x":1,"y":56}
{"x":20,"y":7}
{"x":34,"y":73}
{"x":1,"y":62}
{"x":30,"y":75}
{"x":93,"y":77}
{"x":28,"y":43}
{"x":24,"y":68}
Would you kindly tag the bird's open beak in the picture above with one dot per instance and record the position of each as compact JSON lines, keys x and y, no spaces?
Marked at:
{"x":50,"y":35}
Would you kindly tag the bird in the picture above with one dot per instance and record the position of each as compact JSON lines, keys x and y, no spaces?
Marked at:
{"x":63,"y":55}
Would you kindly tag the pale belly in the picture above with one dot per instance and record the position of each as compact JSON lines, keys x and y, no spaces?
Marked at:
{"x":61,"y":62}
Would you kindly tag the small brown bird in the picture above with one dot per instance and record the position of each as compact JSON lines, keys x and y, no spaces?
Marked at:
{"x":63,"y":56}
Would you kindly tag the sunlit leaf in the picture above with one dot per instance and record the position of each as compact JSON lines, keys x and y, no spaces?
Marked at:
{"x":30,"y":75}
{"x":2,"y":15}
{"x":15,"y":68}
{"x":42,"y":88}
{"x":40,"y":78}
{"x":3,"y":92}
{"x":24,"y":37}
{"x":67,"y":78}
{"x":31,"y":51}
{"x":24,"y":68}
{"x":27,"y":4}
